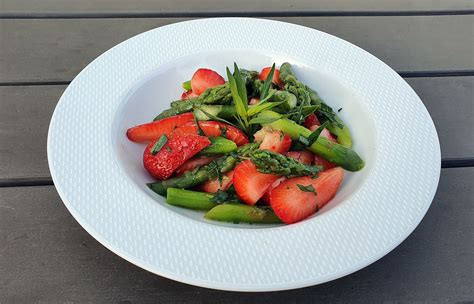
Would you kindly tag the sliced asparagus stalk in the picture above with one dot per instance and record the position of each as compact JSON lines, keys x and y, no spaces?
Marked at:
{"x":189,"y":199}
{"x":219,"y":145}
{"x":240,"y":213}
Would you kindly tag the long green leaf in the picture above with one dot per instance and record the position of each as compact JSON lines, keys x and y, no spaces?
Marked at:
{"x":241,"y":88}
{"x":263,"y":120}
{"x":262,"y":107}
{"x":239,"y":104}
{"x":268,"y":83}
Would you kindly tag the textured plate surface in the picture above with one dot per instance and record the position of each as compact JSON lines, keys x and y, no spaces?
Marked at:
{"x":100,"y":191}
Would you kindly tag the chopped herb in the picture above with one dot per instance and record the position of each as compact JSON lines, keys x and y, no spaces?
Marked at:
{"x":282,"y":135}
{"x":308,"y":188}
{"x":224,"y":131}
{"x":168,"y":149}
{"x":159,"y":144}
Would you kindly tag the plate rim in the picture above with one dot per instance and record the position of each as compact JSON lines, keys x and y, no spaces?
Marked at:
{"x":210,"y":284}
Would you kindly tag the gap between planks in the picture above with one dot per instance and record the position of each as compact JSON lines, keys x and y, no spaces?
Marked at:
{"x":404,"y":74}
{"x":234,"y":14}
{"x":446,"y":163}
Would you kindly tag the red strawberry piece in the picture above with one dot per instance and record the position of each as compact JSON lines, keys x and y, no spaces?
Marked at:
{"x":292,"y":204}
{"x":276,"y":76}
{"x":273,"y":140}
{"x":177,"y":150}
{"x":254,"y":101}
{"x":153,"y":130}
{"x":324,"y":133}
{"x":319,"y":161}
{"x":215,"y":185}
{"x":311,"y":120}
{"x":250,"y":184}
{"x":193,"y":163}
{"x":215,"y":129}
{"x":204,"y":79}
{"x":188,"y":95}
{"x":266,"y":196}
{"x":306,"y":157}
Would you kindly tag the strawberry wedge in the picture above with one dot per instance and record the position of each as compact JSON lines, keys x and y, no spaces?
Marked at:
{"x":250,"y":184}
{"x":297,"y":198}
{"x":214,"y":129}
{"x":273,"y":140}
{"x":204,"y":79}
{"x":276,"y":76}
{"x":153,"y":130}
{"x":175,"y":152}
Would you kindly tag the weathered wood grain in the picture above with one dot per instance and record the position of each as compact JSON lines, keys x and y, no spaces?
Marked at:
{"x":213,"y":6}
{"x":50,"y":50}
{"x":46,"y":256}
{"x":25,"y":113}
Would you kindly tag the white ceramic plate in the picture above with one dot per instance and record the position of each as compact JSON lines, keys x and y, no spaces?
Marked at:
{"x":99,"y":175}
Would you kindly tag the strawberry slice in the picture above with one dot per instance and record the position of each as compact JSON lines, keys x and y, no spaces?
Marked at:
{"x":273,"y":140}
{"x":250,"y":184}
{"x":188,"y":95}
{"x":276,"y":76}
{"x":215,"y":185}
{"x":311,"y":120}
{"x":193,"y":163}
{"x":177,"y":150}
{"x":324,"y":133}
{"x":266,"y":196}
{"x":293,"y":200}
{"x":319,"y":161}
{"x":215,"y":129}
{"x":306,"y":157}
{"x":204,"y":79}
{"x":153,"y":130}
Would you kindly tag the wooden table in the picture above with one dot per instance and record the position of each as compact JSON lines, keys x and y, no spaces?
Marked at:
{"x":46,"y":256}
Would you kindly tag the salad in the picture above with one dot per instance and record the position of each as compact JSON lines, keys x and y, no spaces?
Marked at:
{"x":257,"y":148}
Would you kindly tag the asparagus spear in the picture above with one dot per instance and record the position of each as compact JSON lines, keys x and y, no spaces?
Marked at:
{"x":219,"y":145}
{"x":336,"y":153}
{"x":189,"y":199}
{"x":240,"y":213}
{"x":324,"y":113}
{"x":204,"y":173}
{"x":276,"y":163}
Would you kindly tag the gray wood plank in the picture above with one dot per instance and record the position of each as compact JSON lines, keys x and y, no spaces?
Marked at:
{"x":118,"y":6}
{"x":49,"y":50}
{"x":46,"y":256}
{"x":25,"y":113}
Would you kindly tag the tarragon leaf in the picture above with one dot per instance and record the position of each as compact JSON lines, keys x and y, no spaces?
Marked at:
{"x":159,"y":144}
{"x":308,"y":188}
{"x":268,"y":83}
